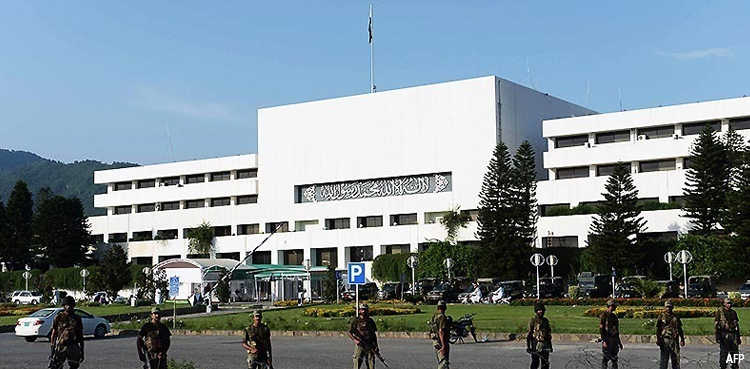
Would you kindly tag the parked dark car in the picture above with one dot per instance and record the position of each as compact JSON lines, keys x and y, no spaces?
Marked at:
{"x":390,"y":290}
{"x":626,"y":288}
{"x":513,"y":288}
{"x":744,"y":290}
{"x":671,"y":289}
{"x":701,"y":286}
{"x":550,"y":288}
{"x":367,"y":291}
{"x":444,"y":291}
{"x":602,"y":286}
{"x":585,"y":283}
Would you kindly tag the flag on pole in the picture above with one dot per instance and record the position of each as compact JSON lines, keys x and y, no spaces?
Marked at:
{"x":369,"y":25}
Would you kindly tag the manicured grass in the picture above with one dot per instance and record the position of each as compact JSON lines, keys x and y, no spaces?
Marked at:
{"x":111,"y":309}
{"x":489,"y":318}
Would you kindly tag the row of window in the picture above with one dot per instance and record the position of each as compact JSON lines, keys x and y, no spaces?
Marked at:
{"x":606,"y":169}
{"x":188,"y":204}
{"x":188,"y":179}
{"x":665,"y":131}
{"x":572,"y":241}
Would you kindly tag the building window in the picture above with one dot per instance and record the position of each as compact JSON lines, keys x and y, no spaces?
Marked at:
{"x":166,"y":234}
{"x":195,"y":178}
{"x":569,"y":141}
{"x":261,"y":257}
{"x":141,"y":260}
{"x":271,"y":226}
{"x":737,"y":124}
{"x":360,"y":253}
{"x":119,"y":186}
{"x":192,"y":204}
{"x":142,"y":236}
{"x":696,"y":128}
{"x":219,"y":176}
{"x":222,"y":231}
{"x":127,"y":209}
{"x":569,"y":173}
{"x":117,"y":237}
{"x":606,"y":170}
{"x":338,"y":223}
{"x":172,"y":205}
{"x":228,"y":255}
{"x":245,"y":229}
{"x":656,"y":132}
{"x":687,"y":163}
{"x":247,"y":173}
{"x":370,"y":221}
{"x":293,"y":257}
{"x":167,"y":257}
{"x":680,"y":200}
{"x":147,"y":183}
{"x":615,"y":136}
{"x":396,"y":249}
{"x":567,"y":241}
{"x":657,"y":165}
{"x":326,"y":257}
{"x":403,"y":219}
{"x":96,"y":238}
{"x":473,"y":214}
{"x":248,"y":199}
{"x":146,"y":208}
{"x":186,"y":232}
{"x":221,"y":201}
{"x":171,"y":181}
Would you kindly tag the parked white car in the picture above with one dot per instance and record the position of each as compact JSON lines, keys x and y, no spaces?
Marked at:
{"x":39,"y":324}
{"x":26,"y":297}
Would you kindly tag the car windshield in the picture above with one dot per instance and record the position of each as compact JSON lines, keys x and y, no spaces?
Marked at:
{"x":442,"y":287}
{"x":745,"y":286}
{"x":42,"y":313}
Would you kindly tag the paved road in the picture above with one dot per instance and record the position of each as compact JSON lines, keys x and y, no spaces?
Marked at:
{"x":330,"y":353}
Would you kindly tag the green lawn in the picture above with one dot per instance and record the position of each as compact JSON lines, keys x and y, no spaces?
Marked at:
{"x":489,"y":318}
{"x":111,"y":309}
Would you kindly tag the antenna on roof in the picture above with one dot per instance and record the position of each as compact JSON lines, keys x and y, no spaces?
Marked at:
{"x":588,"y":89}
{"x":619,"y":94}
{"x":532,"y":84}
{"x":169,"y":143}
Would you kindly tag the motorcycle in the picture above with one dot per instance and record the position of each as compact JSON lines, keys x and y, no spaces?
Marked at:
{"x":461,"y":329}
{"x":499,"y":297}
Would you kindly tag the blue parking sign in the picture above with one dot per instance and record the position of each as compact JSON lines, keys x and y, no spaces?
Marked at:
{"x":355,"y":273}
{"x":174,"y":286}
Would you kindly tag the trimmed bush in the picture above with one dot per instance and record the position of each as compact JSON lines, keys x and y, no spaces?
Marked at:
{"x":348,"y":311}
{"x":649,"y":312}
{"x":691,"y":302}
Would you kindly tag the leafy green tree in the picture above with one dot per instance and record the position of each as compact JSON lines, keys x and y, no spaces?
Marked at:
{"x":61,"y":231}
{"x":714,"y":255}
{"x":390,"y":267}
{"x":453,"y":221}
{"x":149,"y":283}
{"x":524,"y":192}
{"x":222,"y":288}
{"x":114,"y":271}
{"x":329,"y":285}
{"x":613,"y":232}
{"x":707,"y":183}
{"x":431,"y":261}
{"x":17,"y":232}
{"x":201,"y":239}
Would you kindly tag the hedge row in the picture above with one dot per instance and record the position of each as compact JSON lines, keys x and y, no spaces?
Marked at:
{"x":348,"y":311}
{"x":690,"y":302}
{"x":641,"y":313}
{"x":61,"y":278}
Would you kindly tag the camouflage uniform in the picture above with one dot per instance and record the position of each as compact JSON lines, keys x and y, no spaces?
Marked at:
{"x":366,"y":328}
{"x":539,"y":340}
{"x":68,"y":340}
{"x":440,"y":322}
{"x":609,"y":329}
{"x":727,"y":328}
{"x":156,"y":337}
{"x":669,"y":335}
{"x":258,"y":337}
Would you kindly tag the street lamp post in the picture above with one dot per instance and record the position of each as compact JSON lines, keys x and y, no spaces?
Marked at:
{"x":684,"y":257}
{"x":413,"y":262}
{"x":537,"y":260}
{"x":84,"y":274}
{"x":669,"y":258}
{"x":614,"y":275}
{"x":448,"y":263}
{"x":308,"y":265}
{"x":552,"y":261}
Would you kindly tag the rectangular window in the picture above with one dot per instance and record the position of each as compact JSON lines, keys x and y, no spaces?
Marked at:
{"x":687,"y":163}
{"x":222,"y":231}
{"x":147,"y":183}
{"x":166,"y":234}
{"x":271,"y":226}
{"x":228,"y":255}
{"x":569,"y":173}
{"x":680,"y":200}
{"x":696,"y":128}
{"x":370,"y":221}
{"x":245,"y":229}
{"x":192,"y":204}
{"x":337,"y":223}
{"x":186,"y":232}
{"x":569,"y":141}
{"x":247,"y":173}
{"x":247,"y":199}
{"x":119,"y":186}
{"x":221,"y":201}
{"x":146,"y":208}
{"x":96,"y":238}
{"x":473,"y":214}
{"x":293,"y":257}
{"x":171,"y":181}
{"x":604,"y":170}
{"x":553,"y":210}
{"x":141,"y":260}
{"x":397,"y":249}
{"x":117,"y":237}
{"x":326,"y":257}
{"x":195,"y":178}
{"x":567,"y":241}
{"x":172,"y":205}
{"x":360,"y":253}
{"x":142,"y":236}
{"x":737,"y":124}
{"x":656,"y":132}
{"x":127,"y":209}
{"x":615,"y":136}
{"x":261,"y":257}
{"x":219,"y":176}
{"x":403,"y":219}
{"x":657,"y":165}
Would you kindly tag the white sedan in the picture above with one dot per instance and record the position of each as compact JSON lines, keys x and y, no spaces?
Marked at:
{"x":39,"y":324}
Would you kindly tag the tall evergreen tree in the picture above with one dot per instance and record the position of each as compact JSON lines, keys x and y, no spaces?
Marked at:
{"x":612,"y":236}
{"x":524,"y":192}
{"x":17,"y":231}
{"x":114,"y":270}
{"x":707,"y":183}
{"x":61,"y":230}
{"x":738,"y":216}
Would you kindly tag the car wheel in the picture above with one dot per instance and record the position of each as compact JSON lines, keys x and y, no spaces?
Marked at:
{"x":33,"y":302}
{"x":100,"y":331}
{"x":30,"y":338}
{"x":17,"y":302}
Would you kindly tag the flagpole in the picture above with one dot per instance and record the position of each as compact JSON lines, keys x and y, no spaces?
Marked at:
{"x":372,"y":55}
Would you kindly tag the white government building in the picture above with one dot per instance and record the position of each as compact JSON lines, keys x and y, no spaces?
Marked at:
{"x":348,"y":178}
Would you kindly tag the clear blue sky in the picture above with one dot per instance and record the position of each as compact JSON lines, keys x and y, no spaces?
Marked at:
{"x":105,"y":80}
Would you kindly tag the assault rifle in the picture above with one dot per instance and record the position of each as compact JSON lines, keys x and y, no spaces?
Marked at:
{"x":365,"y":343}
{"x":51,"y":356}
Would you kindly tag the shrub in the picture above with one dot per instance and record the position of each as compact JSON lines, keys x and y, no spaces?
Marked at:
{"x":648,"y":288}
{"x":690,"y":302}
{"x":574,"y":292}
{"x":174,"y":364}
{"x":286,"y":303}
{"x":348,"y":311}
{"x":650,"y":312}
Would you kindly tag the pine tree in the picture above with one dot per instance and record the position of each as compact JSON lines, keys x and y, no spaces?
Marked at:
{"x":114,"y":271}
{"x":61,"y":232}
{"x":612,"y":236}
{"x":707,"y":183}
{"x":329,"y":285}
{"x":524,"y":192}
{"x":17,"y":231}
{"x":738,"y":216}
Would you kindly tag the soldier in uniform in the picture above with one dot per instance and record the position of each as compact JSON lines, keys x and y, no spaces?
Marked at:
{"x":362,"y":332}
{"x":439,"y":334}
{"x":609,"y":329}
{"x":153,"y":341}
{"x":727,"y":327}
{"x":67,"y":337}
{"x":668,"y":332}
{"x":539,"y":338}
{"x":257,"y":342}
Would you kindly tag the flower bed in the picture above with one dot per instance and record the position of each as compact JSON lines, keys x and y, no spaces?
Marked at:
{"x":691,"y":302}
{"x":14,"y":310}
{"x":348,"y":311}
{"x":648,"y":312}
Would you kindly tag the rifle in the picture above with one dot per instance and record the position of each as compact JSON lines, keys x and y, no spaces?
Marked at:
{"x":368,"y":346}
{"x":52,"y":356}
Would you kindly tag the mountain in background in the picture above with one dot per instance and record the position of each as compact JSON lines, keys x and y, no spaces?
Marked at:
{"x":72,"y":179}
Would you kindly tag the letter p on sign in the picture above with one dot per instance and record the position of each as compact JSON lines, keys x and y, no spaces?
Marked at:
{"x":355,"y":273}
